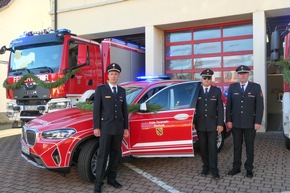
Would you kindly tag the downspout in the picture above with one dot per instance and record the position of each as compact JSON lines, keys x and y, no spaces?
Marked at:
{"x":55,"y":14}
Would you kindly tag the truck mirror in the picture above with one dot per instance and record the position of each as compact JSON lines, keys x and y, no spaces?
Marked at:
{"x":82,"y":54}
{"x":143,"y":107}
{"x":275,"y":45}
{"x":3,"y":50}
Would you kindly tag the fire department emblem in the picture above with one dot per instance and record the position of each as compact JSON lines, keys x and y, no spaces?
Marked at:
{"x":159,"y":131}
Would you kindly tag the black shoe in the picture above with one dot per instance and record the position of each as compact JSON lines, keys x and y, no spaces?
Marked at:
{"x":234,"y":172}
{"x":215,"y":176}
{"x":204,"y":172}
{"x":114,"y":183}
{"x":249,"y":174}
{"x":98,"y":189}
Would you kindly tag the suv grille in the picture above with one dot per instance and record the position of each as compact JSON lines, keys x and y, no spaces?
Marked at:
{"x":29,"y":136}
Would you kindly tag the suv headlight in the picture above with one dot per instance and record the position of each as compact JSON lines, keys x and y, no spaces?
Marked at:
{"x":58,"y":134}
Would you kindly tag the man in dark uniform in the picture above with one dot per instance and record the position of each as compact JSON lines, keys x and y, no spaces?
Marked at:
{"x":110,"y":117}
{"x":244,"y":113}
{"x":208,"y":121}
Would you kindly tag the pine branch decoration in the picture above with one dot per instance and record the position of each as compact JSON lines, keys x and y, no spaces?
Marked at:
{"x":132,"y":108}
{"x":39,"y":82}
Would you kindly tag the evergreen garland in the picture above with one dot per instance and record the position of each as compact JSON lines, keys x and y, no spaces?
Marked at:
{"x":39,"y":82}
{"x":85,"y":106}
{"x":132,"y":108}
{"x":285,"y":64}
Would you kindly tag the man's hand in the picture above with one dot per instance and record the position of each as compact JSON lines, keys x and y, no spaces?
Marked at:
{"x":257,"y":127}
{"x":230,"y":125}
{"x":126,"y":133}
{"x":219,"y":129}
{"x":193,"y":126}
{"x":97,"y":132}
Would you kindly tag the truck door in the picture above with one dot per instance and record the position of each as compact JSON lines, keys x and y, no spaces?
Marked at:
{"x":168,"y":132}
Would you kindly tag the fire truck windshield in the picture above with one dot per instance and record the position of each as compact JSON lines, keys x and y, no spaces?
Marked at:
{"x":46,"y":57}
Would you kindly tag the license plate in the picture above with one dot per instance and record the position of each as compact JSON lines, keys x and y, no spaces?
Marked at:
{"x":25,"y":149}
{"x":30,"y":108}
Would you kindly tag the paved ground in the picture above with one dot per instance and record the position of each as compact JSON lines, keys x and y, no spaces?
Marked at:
{"x":153,"y":175}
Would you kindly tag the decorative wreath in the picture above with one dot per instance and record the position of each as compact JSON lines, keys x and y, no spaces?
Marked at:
{"x":39,"y":82}
{"x":285,"y":64}
{"x":132,"y":108}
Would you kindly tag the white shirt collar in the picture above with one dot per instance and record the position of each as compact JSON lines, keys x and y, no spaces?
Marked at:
{"x":245,"y":85}
{"x":206,"y":87}
{"x":111,"y":86}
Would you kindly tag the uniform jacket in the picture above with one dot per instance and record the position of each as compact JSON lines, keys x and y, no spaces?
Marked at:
{"x":244,"y":109}
{"x":110,"y":113}
{"x":209,"y":110}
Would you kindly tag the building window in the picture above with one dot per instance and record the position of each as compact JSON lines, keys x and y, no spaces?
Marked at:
{"x":221,"y":47}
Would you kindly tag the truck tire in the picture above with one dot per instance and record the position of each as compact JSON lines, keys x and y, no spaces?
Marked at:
{"x":87,"y":160}
{"x":287,"y":142}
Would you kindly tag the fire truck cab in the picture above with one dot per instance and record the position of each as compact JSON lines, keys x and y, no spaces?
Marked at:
{"x":53,"y":70}
{"x":285,"y":63}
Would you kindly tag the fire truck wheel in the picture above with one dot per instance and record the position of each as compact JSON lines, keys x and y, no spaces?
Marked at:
{"x":87,"y":160}
{"x":220,"y":141}
{"x":287,"y":142}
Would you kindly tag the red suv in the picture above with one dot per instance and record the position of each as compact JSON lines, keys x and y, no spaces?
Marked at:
{"x":58,"y":140}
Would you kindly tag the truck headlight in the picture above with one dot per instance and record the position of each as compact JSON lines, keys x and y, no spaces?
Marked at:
{"x":9,"y":106}
{"x":58,"y":134}
{"x":59,"y":105}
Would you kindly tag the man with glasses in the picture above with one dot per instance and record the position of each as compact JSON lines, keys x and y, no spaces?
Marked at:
{"x":244,"y":113}
{"x":208,"y":121}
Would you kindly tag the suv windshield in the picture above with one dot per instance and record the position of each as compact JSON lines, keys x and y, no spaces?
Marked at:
{"x":131,"y":93}
{"x":46,"y":57}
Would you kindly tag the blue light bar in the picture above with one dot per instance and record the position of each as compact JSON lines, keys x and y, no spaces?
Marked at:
{"x":162,"y":77}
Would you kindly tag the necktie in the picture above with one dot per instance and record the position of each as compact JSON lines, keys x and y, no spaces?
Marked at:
{"x":114,"y":91}
{"x":206,"y":91}
{"x":243,"y":88}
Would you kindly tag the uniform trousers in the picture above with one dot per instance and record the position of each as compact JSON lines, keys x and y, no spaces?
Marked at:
{"x":238,"y":135}
{"x":109,"y":145}
{"x":208,"y":149}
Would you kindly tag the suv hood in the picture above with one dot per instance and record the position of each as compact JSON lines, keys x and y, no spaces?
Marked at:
{"x":62,"y":119}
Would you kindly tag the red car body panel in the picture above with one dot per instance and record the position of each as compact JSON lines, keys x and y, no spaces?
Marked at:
{"x":165,"y":134}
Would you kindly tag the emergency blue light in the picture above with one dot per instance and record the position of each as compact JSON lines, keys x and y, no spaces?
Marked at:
{"x":162,"y":77}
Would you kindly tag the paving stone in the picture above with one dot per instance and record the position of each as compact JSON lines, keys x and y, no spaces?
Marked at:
{"x":271,"y":172}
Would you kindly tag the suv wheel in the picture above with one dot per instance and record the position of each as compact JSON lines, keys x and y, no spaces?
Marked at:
{"x":287,"y":142}
{"x":87,"y":160}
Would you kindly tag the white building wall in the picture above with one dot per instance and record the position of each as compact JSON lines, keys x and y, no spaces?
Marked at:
{"x":259,"y":57}
{"x":20,"y":16}
{"x":106,"y":18}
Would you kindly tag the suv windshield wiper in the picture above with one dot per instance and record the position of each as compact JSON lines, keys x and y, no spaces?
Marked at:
{"x":46,"y":69}
{"x":19,"y":71}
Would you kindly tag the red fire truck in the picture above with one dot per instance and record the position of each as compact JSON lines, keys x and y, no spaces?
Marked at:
{"x":275,"y":56}
{"x":55,"y":70}
{"x":59,"y":140}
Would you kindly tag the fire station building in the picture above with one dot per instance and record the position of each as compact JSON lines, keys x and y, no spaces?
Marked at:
{"x":182,"y":38}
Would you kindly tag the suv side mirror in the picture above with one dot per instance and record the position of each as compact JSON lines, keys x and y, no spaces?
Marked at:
{"x":143,"y":107}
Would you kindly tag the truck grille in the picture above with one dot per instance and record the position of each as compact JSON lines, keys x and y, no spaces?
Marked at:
{"x":29,"y":136}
